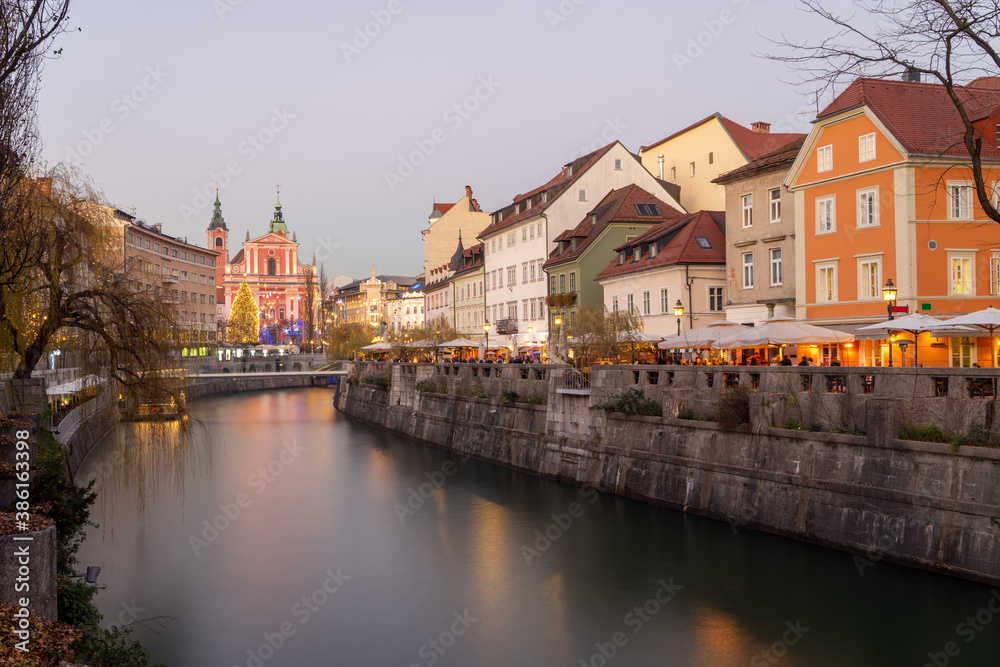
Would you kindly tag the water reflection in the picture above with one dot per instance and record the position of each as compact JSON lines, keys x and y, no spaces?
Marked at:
{"x":335,"y":504}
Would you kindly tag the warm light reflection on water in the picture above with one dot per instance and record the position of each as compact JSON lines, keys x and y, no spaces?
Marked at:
{"x":324,"y":494}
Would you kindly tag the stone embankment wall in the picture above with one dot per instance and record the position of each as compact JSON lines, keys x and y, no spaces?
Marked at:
{"x":928,"y":505}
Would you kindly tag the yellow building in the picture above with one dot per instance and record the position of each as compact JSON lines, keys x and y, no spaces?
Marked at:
{"x":445,"y":224}
{"x":693,"y":157}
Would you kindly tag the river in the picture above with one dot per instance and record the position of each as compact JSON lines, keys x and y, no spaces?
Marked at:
{"x":294,"y":536}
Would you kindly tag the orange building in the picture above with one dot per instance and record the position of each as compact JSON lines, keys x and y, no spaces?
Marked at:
{"x":884,"y":191}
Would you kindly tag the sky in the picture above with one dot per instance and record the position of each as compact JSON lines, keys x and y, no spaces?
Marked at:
{"x":367,"y":112}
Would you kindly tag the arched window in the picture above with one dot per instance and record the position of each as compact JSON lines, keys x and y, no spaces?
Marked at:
{"x":270,"y":267}
{"x":218,"y":241}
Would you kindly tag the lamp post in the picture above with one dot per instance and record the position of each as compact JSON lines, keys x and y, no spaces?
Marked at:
{"x":486,"y":330}
{"x":889,"y":295}
{"x":558,"y":322}
{"x":678,"y":313}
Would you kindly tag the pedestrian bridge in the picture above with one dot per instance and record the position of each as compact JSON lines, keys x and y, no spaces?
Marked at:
{"x":316,"y":373}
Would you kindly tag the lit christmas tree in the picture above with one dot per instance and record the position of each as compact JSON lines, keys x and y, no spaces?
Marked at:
{"x":242,"y":328}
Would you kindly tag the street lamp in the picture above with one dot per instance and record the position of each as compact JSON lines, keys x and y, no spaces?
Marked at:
{"x":678,"y":313}
{"x":889,"y":295}
{"x":486,"y":330}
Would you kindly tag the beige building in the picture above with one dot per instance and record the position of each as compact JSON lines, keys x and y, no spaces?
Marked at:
{"x":406,"y":310}
{"x":760,"y":235}
{"x":445,"y":224}
{"x":467,"y":296}
{"x":367,"y":301}
{"x":695,"y":156}
{"x":181,"y":273}
{"x":682,"y":259}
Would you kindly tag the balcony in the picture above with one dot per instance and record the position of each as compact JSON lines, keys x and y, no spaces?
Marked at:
{"x":169,"y":280}
{"x":504,"y":327}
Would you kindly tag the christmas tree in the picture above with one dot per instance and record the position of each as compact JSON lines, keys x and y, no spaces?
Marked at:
{"x":242,"y":328}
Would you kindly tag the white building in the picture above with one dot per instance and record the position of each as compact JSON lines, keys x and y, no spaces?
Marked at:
{"x":406,"y":311}
{"x":520,"y":236}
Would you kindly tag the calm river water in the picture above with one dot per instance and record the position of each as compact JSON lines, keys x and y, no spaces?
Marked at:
{"x":338,"y":544}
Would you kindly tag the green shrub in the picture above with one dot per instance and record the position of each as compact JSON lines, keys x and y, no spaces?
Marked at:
{"x":686,"y":413}
{"x":923,"y":433}
{"x":432,"y":387}
{"x":508,"y":396}
{"x":533,"y":400}
{"x":377,"y":380}
{"x":632,"y":402}
{"x":792,"y":423}
{"x":477,"y":391}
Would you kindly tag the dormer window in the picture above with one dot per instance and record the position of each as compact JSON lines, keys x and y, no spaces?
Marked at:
{"x":621,"y":258}
{"x":572,"y":244}
{"x":528,"y":205}
{"x":652,"y":250}
{"x":517,"y":209}
{"x":545,"y":197}
{"x":635,"y":254}
{"x":569,"y":170}
{"x":648,"y":209}
{"x":593,"y":219}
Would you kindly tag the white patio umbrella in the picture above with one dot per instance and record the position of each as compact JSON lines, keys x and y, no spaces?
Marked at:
{"x":702,"y":337}
{"x":987,"y":320}
{"x":377,"y":347}
{"x":916,"y":324}
{"x":639,"y":337}
{"x":417,"y":344}
{"x":460,"y":342}
{"x":782,"y":331}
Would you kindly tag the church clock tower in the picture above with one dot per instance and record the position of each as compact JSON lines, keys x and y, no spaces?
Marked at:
{"x":218,"y":240}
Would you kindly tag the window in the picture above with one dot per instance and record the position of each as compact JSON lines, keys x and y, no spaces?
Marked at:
{"x":524,"y":272}
{"x":665,"y":300}
{"x":562,"y":283}
{"x":711,"y":158}
{"x":532,"y":309}
{"x":826,"y":282}
{"x":552,"y":285}
{"x":614,"y":303}
{"x":147,"y":245}
{"x":184,"y":296}
{"x":572,"y":281}
{"x":271,"y":267}
{"x":511,"y":239}
{"x":512,"y":311}
{"x":532,"y":272}
{"x":869,"y":279}
{"x":156,"y":247}
{"x":959,"y":201}
{"x":636,"y":253}
{"x":995,"y":273}
{"x":825,"y":220}
{"x":747,"y":270}
{"x":775,"y":266}
{"x":703,"y":243}
{"x":184,"y":276}
{"x":527,"y":205}
{"x":868,"y":208}
{"x":540,"y":224}
{"x":618,"y":165}
{"x":629,"y":302}
{"x":647,"y":209}
{"x":173,"y":253}
{"x":653,"y":249}
{"x":775,"y":200}
{"x":866,"y":147}
{"x":524,"y":233}
{"x":962,"y":352}
{"x":218,"y":241}
{"x":511,"y":276}
{"x":545,"y":198}
{"x":645,"y":302}
{"x":673,"y":173}
{"x":500,"y":278}
{"x":715,"y":299}
{"x":692,"y":169}
{"x":493,"y":246}
{"x":824,"y":158}
{"x":961,"y":274}
{"x":524,"y":310}
{"x":184,"y":255}
{"x":583,"y":195}
{"x":746,"y":203}
{"x":531,"y":230}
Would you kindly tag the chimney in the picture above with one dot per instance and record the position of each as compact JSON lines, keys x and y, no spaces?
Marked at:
{"x":760,"y":127}
{"x":659,"y":159}
{"x":474,"y":204}
{"x":468,"y":191}
{"x":911,"y":75}
{"x":158,"y":227}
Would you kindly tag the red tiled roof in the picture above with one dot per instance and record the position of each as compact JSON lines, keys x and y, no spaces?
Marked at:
{"x":751,"y":144}
{"x":782,"y":158}
{"x":555,"y":187}
{"x":677,"y":244}
{"x":755,"y":144}
{"x":618,"y":206}
{"x":441,"y":208}
{"x":472,"y":259}
{"x":921,"y":116}
{"x":237,"y":258}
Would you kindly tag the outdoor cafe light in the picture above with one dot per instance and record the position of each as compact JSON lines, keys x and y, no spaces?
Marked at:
{"x":558,"y":321}
{"x":678,"y":313}
{"x":889,"y":295}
